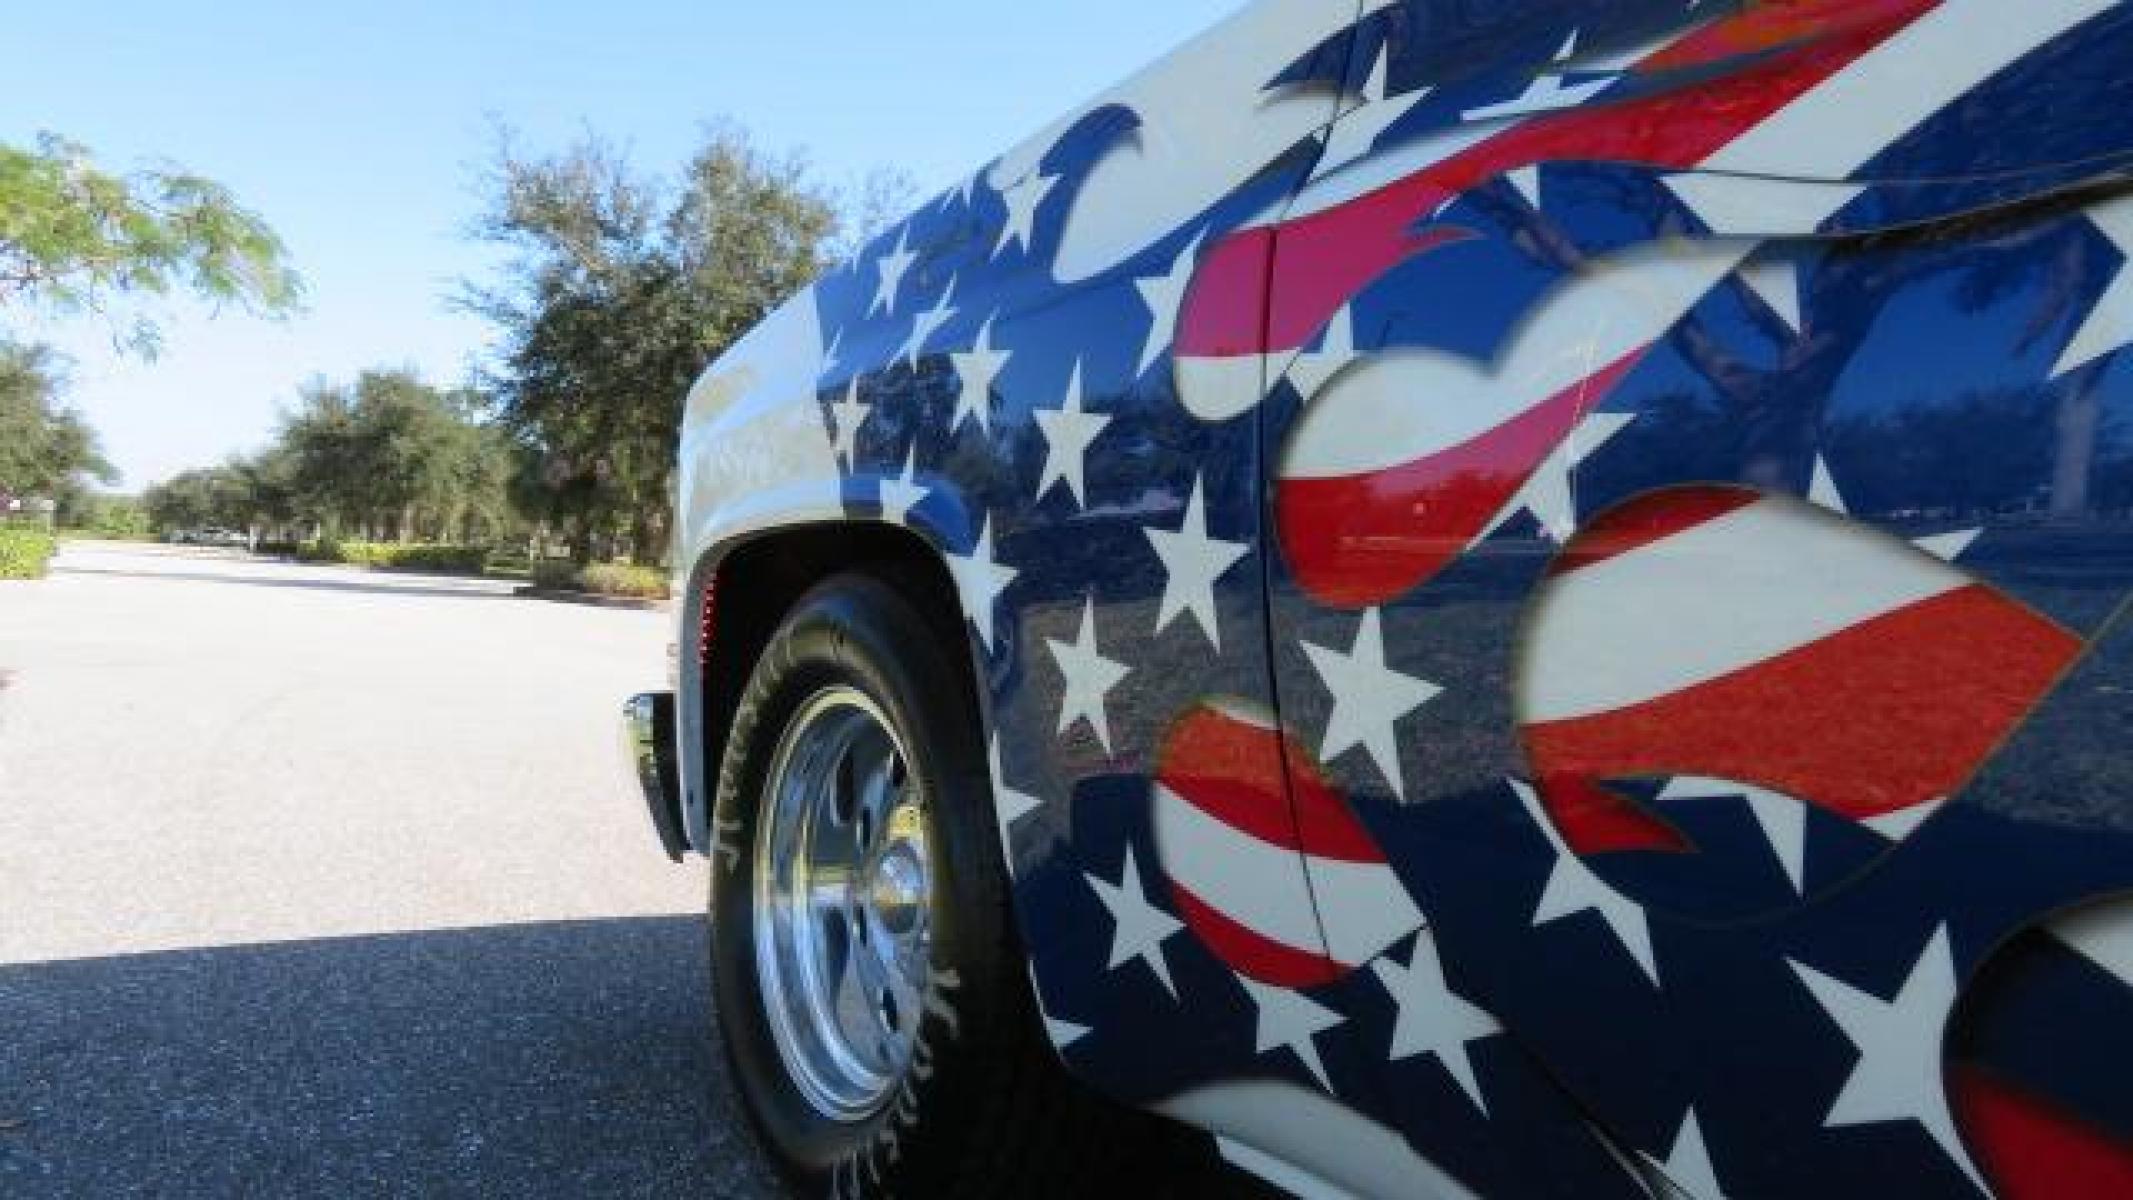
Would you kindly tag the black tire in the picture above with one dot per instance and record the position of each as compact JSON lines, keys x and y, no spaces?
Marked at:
{"x":986,"y":1110}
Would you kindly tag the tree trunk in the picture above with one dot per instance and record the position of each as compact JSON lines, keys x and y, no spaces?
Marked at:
{"x":581,"y":542}
{"x":648,"y":539}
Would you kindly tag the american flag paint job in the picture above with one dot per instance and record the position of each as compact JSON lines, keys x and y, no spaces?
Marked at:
{"x":1770,"y":643}
{"x":1266,"y":864}
{"x":1550,"y":611}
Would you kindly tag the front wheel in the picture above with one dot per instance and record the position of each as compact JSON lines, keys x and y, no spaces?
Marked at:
{"x":870,"y":985}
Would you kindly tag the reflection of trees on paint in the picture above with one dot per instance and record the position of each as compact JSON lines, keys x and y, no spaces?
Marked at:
{"x":1770,"y":385}
{"x":2053,"y":451}
{"x":1978,"y":455}
{"x":2059,"y":285}
{"x":1681,"y":435}
{"x":2113,"y":489}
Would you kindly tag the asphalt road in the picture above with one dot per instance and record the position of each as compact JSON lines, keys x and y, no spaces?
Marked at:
{"x":323,"y":883}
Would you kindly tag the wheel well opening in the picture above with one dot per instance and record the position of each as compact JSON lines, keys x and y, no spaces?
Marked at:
{"x":741,"y":603}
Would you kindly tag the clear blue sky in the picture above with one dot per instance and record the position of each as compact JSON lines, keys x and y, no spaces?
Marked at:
{"x":358,"y":129}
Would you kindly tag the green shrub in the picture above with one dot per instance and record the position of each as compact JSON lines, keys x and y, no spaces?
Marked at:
{"x":325,"y":550}
{"x":118,"y":518}
{"x":429,"y":557}
{"x":602,"y":579}
{"x":426,"y":557}
{"x":556,"y":576}
{"x":24,"y":553}
{"x":621,"y":579}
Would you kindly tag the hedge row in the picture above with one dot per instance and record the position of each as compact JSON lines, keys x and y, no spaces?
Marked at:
{"x":399,"y":556}
{"x":602,"y":579}
{"x":24,"y":553}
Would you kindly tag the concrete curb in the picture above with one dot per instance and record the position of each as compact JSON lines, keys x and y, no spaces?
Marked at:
{"x":593,"y":600}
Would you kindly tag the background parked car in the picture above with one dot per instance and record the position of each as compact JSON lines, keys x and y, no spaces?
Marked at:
{"x":209,"y":536}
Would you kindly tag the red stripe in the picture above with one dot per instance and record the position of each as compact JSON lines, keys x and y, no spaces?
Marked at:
{"x":1648,"y":520}
{"x":1230,"y":769}
{"x":1595,"y":819}
{"x":1233,"y":770}
{"x":1324,"y":259}
{"x":1360,"y":540}
{"x":1776,"y":24}
{"x":1251,"y":953}
{"x":1225,"y":309}
{"x":1327,"y":825}
{"x":2033,"y":1150}
{"x":1894,"y":712}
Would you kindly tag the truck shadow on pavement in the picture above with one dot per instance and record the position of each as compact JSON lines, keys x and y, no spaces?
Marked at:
{"x":568,"y":1059}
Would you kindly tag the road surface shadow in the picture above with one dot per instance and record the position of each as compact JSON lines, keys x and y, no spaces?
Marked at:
{"x":572,"y":1059}
{"x":566,"y":1059}
{"x":467,"y":592}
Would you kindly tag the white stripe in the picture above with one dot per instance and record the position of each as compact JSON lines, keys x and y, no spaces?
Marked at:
{"x":1258,"y":885}
{"x":1748,"y":206}
{"x":2103,"y":933}
{"x":1395,"y":408}
{"x":1407,"y":405}
{"x":1279,"y":1172}
{"x":1316,"y":1135}
{"x":1363,"y":906}
{"x":1375,"y":172}
{"x":1711,"y":601}
{"x":1216,"y":389}
{"x":1834,"y":129}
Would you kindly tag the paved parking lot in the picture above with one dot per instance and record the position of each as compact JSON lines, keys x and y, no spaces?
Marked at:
{"x":315,"y":882}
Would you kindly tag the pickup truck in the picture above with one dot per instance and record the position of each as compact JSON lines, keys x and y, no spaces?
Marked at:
{"x":1447,"y":598}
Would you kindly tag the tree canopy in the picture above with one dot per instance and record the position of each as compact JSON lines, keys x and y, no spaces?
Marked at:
{"x":387,"y":457}
{"x":621,"y":288}
{"x":618,"y":288}
{"x":74,"y":236}
{"x":46,"y":450}
{"x":214,"y":497}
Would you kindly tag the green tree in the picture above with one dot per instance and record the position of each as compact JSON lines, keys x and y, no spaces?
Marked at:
{"x":102,"y":514}
{"x":314,"y":452}
{"x":270,"y":493}
{"x":620,"y":290}
{"x":212,"y":497}
{"x":46,"y":450}
{"x":484,"y":465}
{"x":388,"y":457}
{"x":74,"y":236}
{"x":112,"y":517}
{"x":407,"y":440}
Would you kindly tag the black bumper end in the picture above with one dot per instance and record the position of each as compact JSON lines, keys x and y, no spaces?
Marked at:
{"x":648,"y":740}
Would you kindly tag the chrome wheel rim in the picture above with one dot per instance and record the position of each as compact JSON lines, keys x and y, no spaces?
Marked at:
{"x":843,"y":914}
